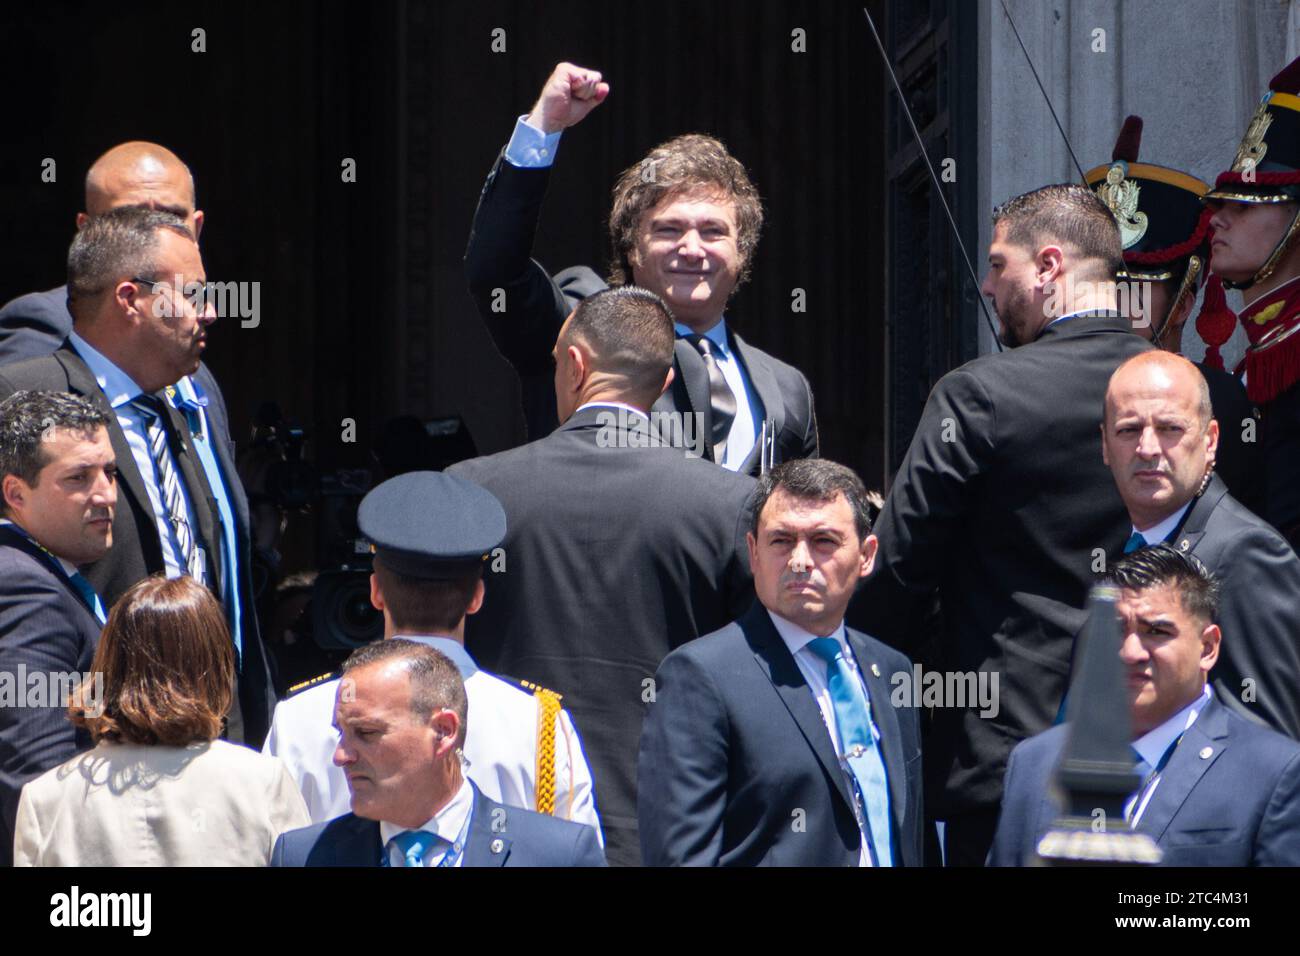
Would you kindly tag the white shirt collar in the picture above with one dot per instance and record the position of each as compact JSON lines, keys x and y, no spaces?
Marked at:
{"x":449,"y":647}
{"x":1153,"y":744}
{"x":796,"y":638}
{"x":1159,"y":532}
{"x":116,"y":385}
{"x":622,"y":405}
{"x":717,"y":335}
{"x":447,"y":822}
{"x":68,"y":567}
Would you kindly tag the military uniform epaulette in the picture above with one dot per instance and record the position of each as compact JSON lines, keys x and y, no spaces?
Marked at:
{"x":307,"y":684}
{"x":535,"y":689}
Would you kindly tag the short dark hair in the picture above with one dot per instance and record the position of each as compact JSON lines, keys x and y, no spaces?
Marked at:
{"x":684,"y":165}
{"x":422,"y":604}
{"x":436,"y":684}
{"x":168,"y":666}
{"x":26,"y":419}
{"x":118,"y":244}
{"x":629,"y":331}
{"x":1160,"y":565}
{"x":1068,"y":213}
{"x":814,"y":479}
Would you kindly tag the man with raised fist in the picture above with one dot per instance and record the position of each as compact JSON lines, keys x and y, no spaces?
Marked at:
{"x":684,"y":224}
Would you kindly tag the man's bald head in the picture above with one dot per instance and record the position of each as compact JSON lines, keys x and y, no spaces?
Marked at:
{"x":141,"y":174}
{"x":1158,"y":435}
{"x":1164,"y":370}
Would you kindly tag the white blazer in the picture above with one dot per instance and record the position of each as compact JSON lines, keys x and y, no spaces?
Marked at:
{"x":208,"y":804}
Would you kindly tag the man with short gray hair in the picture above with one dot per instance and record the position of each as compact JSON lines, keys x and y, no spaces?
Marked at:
{"x":401,"y":714}
{"x":58,"y":492}
{"x":140,"y":319}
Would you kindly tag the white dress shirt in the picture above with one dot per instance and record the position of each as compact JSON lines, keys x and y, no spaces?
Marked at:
{"x":1161,"y":530}
{"x":448,"y":823}
{"x":813,"y":669}
{"x":120,"y":390}
{"x":1153,"y":744}
{"x":749,"y":408}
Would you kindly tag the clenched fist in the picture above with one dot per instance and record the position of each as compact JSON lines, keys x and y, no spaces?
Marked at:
{"x":570,"y":93}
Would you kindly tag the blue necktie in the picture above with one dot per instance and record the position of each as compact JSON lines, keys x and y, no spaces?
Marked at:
{"x":858,"y":743}
{"x":413,"y":844}
{"x":1135,"y":542}
{"x":88,"y":595}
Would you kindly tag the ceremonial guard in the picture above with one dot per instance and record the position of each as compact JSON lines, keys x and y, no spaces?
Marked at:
{"x":429,"y":532}
{"x":1256,"y":216}
{"x":1165,"y":229}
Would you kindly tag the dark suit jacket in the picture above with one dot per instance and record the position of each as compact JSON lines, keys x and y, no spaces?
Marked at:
{"x":522,"y":838}
{"x":1259,"y":606}
{"x":1000,"y":508}
{"x":1238,"y":805}
{"x":137,"y":549}
{"x":1239,"y":459}
{"x":536,"y":305}
{"x":45,"y":628}
{"x":735,"y":745}
{"x":34,"y":324}
{"x":613,"y":557}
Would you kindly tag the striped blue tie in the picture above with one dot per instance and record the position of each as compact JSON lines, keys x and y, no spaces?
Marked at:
{"x":858,"y":743}
{"x":169,"y":484}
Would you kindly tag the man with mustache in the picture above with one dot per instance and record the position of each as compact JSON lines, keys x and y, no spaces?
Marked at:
{"x":774,"y":741}
{"x":58,"y":492}
{"x":1002,"y":504}
{"x":1160,"y":441}
{"x":1213,"y":788}
{"x":137,"y":291}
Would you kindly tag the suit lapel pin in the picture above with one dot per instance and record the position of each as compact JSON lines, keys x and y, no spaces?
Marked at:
{"x":1182,"y":545}
{"x":1205,"y":752}
{"x":875,"y":670}
{"x":497,"y":845}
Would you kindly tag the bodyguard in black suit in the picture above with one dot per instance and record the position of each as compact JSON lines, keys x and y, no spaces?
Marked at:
{"x":691,"y":244}
{"x":140,"y":174}
{"x":160,"y":335}
{"x":617,"y":548}
{"x":1216,"y":789}
{"x":748,"y":751}
{"x":402,"y":716}
{"x":1002,"y":505}
{"x":1162,"y":445}
{"x":57,"y":473}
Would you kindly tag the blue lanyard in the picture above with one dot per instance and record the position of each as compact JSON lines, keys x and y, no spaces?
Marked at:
{"x":452,"y":856}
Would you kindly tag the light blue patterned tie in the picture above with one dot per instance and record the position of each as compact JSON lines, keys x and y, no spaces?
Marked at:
{"x":88,"y":595}
{"x":169,"y":484}
{"x":858,"y":743}
{"x":1135,"y":543}
{"x":413,"y":844}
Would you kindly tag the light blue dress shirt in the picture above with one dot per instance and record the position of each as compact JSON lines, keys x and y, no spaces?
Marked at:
{"x":119,"y":389}
{"x":530,"y":148}
{"x":749,"y":407}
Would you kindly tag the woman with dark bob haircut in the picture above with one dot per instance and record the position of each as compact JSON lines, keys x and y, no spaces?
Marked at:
{"x":158,"y":788}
